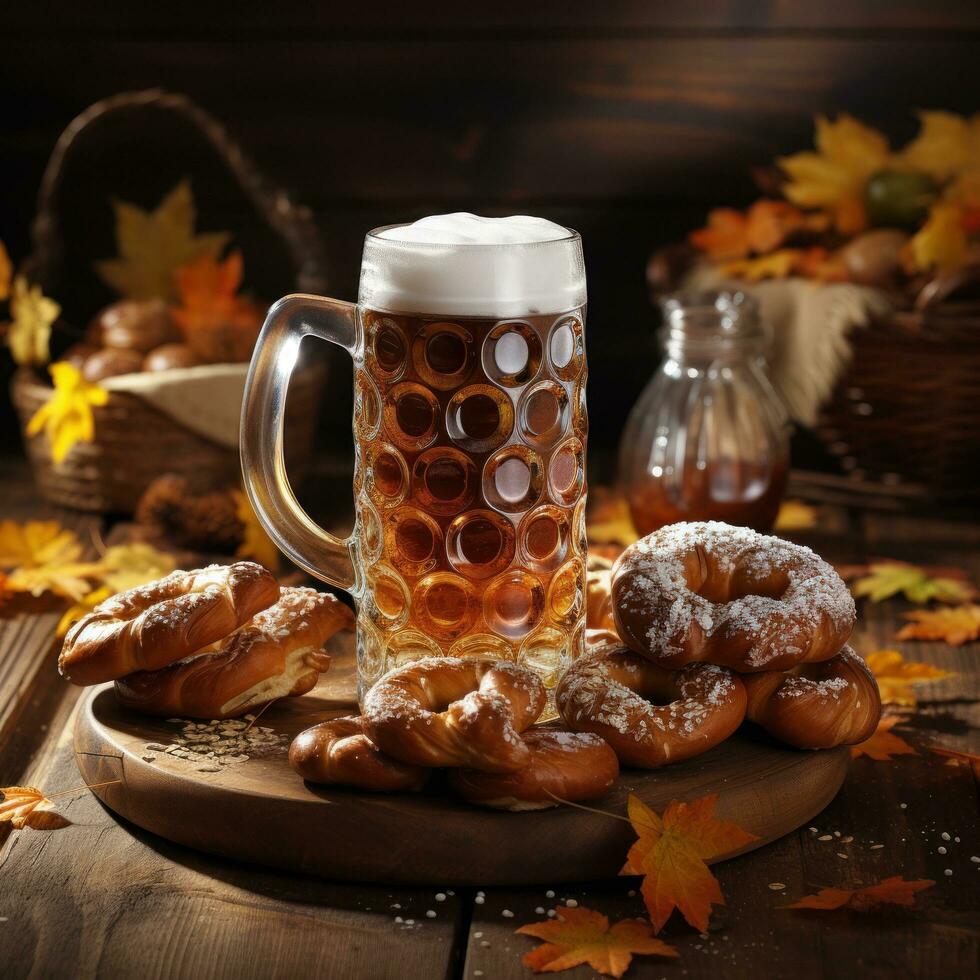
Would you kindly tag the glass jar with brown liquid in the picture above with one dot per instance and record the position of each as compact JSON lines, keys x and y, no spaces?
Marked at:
{"x":708,"y":438}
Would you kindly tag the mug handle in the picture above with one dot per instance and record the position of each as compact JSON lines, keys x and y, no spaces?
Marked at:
{"x":288,"y":321}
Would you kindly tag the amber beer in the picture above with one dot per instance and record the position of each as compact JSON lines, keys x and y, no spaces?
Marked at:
{"x":470,"y":431}
{"x":471,"y":491}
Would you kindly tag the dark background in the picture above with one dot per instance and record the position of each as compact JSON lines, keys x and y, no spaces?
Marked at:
{"x":625,"y":120}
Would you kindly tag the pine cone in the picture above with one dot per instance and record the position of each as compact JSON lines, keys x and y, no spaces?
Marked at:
{"x":203,"y":522}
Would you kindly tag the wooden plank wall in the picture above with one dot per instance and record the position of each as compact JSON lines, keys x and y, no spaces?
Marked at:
{"x":624,"y":119}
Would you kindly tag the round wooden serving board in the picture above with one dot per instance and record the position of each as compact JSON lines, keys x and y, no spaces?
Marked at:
{"x":259,"y":811}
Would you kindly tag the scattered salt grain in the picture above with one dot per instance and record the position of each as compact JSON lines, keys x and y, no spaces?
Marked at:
{"x":507,"y":914}
{"x":776,"y":886}
{"x":398,"y":918}
{"x":479,"y":900}
{"x":539,"y":910}
{"x":440,"y":896}
{"x":549,"y":894}
{"x":430,"y":913}
{"x":877,"y":847}
{"x":571,"y":903}
{"x":841,"y":854}
{"x":904,"y":806}
{"x":948,"y":872}
{"x":945,"y":836}
{"x":825,"y":837}
{"x":941,"y":850}
{"x":813,"y":830}
{"x":551,"y":913}
{"x":410,"y":922}
{"x":975,"y":859}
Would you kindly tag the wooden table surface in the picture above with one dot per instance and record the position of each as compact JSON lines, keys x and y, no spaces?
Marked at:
{"x":101,"y":898}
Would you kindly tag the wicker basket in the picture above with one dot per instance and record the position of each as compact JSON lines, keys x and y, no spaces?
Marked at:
{"x":135,"y":443}
{"x":908,"y":409}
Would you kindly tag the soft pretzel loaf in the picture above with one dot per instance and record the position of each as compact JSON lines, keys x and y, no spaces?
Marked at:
{"x":154,"y":625}
{"x":278,"y":654}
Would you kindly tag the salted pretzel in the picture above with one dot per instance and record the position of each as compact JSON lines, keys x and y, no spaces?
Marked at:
{"x":154,"y":625}
{"x":449,"y":711}
{"x":817,"y":706}
{"x":339,"y":752}
{"x":563,"y":766}
{"x":600,"y":621}
{"x":649,"y":715}
{"x":728,"y":595}
{"x":279,"y":653}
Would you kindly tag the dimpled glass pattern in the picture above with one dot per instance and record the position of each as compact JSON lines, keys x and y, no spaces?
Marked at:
{"x":470,"y":536}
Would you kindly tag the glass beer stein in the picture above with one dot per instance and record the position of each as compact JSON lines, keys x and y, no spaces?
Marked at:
{"x":469,"y":438}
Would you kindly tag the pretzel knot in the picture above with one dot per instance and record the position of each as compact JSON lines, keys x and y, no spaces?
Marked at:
{"x":649,"y":715}
{"x":817,"y":706}
{"x":338,"y":752}
{"x":448,"y":712}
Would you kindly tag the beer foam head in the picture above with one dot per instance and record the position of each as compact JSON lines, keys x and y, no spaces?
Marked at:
{"x":466,"y":265}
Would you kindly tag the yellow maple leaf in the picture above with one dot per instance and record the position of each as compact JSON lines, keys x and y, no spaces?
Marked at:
{"x":942,"y":242}
{"x":896,"y":675}
{"x":884,"y":743}
{"x":891,"y":891}
{"x":37,"y":543}
{"x":947,"y":144}
{"x":580,"y":935}
{"x":81,"y":608}
{"x":129,"y":565}
{"x":32,"y":314}
{"x":26,"y":806}
{"x":45,"y":557}
{"x":776,"y":265}
{"x":671,"y":852}
{"x":6,"y":271}
{"x":955,"y":626}
{"x":795,"y":515}
{"x":833,"y":179}
{"x":885,"y":579}
{"x":256,"y":544}
{"x":154,"y":244}
{"x":66,"y":417}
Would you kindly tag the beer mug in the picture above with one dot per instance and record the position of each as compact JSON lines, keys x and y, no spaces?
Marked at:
{"x":470,"y":426}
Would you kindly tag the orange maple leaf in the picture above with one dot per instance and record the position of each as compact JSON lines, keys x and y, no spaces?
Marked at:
{"x":26,"y":806}
{"x":671,"y":853}
{"x":896,"y":675}
{"x":955,"y":626}
{"x":884,"y":743}
{"x":724,"y":237}
{"x":208,"y":291}
{"x":579,"y":935}
{"x":891,"y":891}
